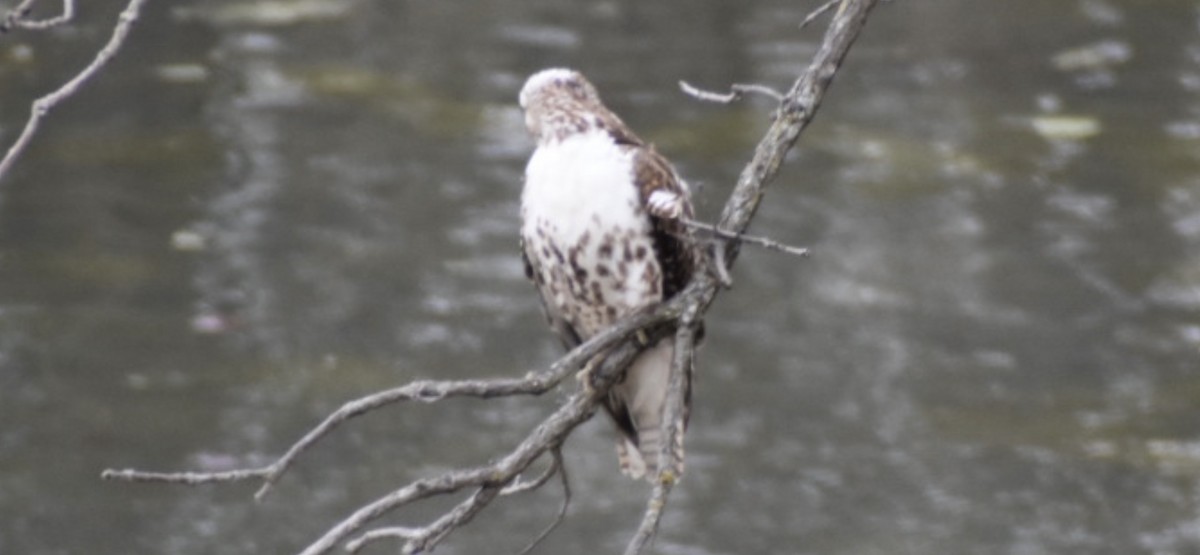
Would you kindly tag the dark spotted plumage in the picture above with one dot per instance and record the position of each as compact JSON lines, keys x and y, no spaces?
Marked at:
{"x":601,"y":238}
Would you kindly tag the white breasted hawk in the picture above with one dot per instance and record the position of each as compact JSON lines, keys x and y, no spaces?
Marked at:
{"x":601,"y":238}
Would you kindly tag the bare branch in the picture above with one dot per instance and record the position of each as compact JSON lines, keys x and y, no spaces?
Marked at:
{"x":736,"y":92}
{"x":562,"y":511}
{"x":43,"y":105}
{"x":15,"y":15}
{"x":813,"y":15}
{"x":424,"y":390}
{"x":421,"y":540}
{"x":18,"y":17}
{"x":752,"y":239}
{"x":184,"y":478}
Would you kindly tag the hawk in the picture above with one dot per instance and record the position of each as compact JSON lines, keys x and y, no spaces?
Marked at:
{"x":601,"y":238}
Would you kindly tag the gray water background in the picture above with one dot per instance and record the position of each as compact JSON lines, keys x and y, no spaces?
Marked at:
{"x":262,"y":210}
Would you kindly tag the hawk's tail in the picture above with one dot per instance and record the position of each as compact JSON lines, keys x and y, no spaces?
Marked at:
{"x":641,"y":460}
{"x":641,"y":398}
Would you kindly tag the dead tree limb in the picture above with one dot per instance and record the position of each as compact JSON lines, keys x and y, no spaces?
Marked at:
{"x":43,"y":105}
{"x":604,"y":356}
{"x":18,"y":17}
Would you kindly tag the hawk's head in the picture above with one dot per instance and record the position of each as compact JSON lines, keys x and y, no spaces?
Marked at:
{"x":559,"y":103}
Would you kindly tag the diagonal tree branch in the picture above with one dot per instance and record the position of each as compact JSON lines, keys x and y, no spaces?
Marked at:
{"x":606,"y":356}
{"x":562,"y":510}
{"x":18,"y":17}
{"x":43,"y":105}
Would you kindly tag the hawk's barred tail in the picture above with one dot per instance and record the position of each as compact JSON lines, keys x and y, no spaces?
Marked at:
{"x":641,"y":460}
{"x":644,"y":392}
{"x":649,"y":442}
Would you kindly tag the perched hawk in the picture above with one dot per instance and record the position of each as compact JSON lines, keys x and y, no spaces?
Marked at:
{"x":601,"y":238}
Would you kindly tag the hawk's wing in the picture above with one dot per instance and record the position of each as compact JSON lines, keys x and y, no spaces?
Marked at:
{"x":636,"y":405}
{"x":666,"y":200}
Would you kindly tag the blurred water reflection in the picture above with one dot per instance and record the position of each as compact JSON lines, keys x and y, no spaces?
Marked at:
{"x":266,"y":208}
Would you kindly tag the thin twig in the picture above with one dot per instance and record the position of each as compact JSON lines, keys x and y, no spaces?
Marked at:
{"x":43,"y":105}
{"x":426,"y":538}
{"x":417,"y":490}
{"x":184,"y":478}
{"x":400,"y":532}
{"x":736,"y":92}
{"x":752,"y":239}
{"x":562,"y":511}
{"x":793,"y":116}
{"x":15,"y":15}
{"x":577,"y":409}
{"x":813,"y":15}
{"x":424,"y":390}
{"x":18,"y":17}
